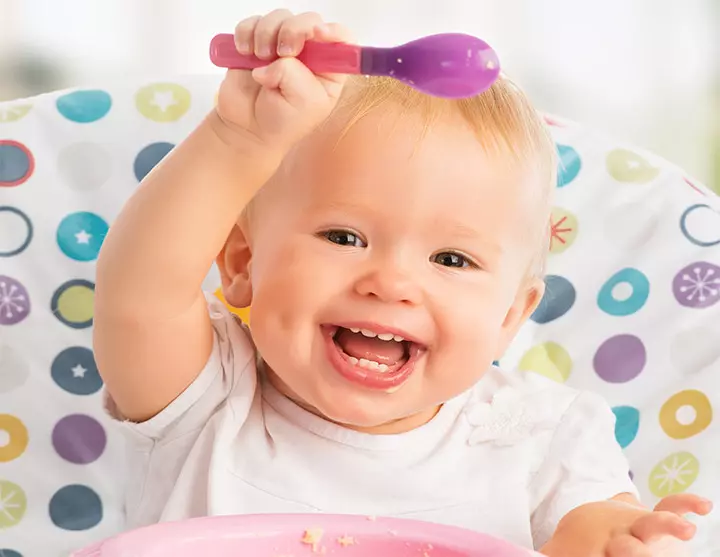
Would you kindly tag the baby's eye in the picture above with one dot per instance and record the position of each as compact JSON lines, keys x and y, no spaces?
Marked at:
{"x":452,"y":259}
{"x":344,"y":238}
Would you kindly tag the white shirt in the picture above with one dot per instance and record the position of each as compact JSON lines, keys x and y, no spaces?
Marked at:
{"x":509,"y":457}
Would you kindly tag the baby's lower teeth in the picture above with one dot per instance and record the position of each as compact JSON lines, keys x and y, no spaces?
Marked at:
{"x":368,"y":364}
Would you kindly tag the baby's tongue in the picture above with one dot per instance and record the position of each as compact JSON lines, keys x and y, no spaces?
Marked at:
{"x":360,"y":346}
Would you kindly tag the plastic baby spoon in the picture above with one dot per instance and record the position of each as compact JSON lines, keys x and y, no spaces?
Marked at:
{"x":451,"y":65}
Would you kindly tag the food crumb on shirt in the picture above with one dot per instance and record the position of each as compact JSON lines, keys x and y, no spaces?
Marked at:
{"x":346,"y":541}
{"x":313,"y":537}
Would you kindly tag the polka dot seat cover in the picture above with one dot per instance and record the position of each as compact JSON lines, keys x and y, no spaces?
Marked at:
{"x":632,"y":309}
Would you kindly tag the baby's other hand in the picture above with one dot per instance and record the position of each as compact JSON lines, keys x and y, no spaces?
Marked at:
{"x":656,"y":534}
{"x":276,"y":105}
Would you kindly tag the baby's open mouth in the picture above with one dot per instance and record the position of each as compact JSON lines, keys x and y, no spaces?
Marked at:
{"x":381,"y":352}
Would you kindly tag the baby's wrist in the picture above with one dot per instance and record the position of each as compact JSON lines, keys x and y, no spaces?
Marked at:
{"x":242,"y":142}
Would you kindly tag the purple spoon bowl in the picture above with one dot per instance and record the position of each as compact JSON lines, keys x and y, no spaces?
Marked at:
{"x":450,"y":65}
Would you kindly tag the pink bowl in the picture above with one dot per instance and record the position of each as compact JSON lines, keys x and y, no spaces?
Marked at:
{"x":302,"y":535}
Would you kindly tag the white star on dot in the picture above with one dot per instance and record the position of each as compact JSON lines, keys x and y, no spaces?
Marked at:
{"x":83,"y":237}
{"x":79,"y":371}
{"x":163,"y":100}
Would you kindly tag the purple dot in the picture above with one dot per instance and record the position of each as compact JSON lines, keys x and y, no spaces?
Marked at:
{"x":14,"y":301}
{"x":697,"y":285}
{"x":79,"y":439}
{"x":620,"y":358}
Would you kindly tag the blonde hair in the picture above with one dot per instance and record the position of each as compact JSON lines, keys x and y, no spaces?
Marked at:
{"x":503,"y":119}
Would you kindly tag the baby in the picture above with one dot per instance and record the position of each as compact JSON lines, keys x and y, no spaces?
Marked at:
{"x":391,"y":244}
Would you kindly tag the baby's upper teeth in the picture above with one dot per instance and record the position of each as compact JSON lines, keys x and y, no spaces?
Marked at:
{"x":382,"y":336}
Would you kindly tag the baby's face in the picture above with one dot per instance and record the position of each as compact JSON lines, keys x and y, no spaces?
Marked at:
{"x":384,"y":237}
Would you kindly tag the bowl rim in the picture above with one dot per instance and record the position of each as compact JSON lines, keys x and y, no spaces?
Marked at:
{"x":238,"y":527}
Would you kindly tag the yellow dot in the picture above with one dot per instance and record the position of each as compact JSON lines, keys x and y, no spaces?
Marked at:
{"x":13,"y":113}
{"x":563,"y":230}
{"x":76,"y":304}
{"x":548,"y":359}
{"x":626,"y":166}
{"x":699,"y":403}
{"x":674,"y":474}
{"x":16,"y":438}
{"x":242,"y":313}
{"x":13,"y":504}
{"x":163,"y":102}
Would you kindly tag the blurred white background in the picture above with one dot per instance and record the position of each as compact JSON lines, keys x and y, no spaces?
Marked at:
{"x":647,"y":71}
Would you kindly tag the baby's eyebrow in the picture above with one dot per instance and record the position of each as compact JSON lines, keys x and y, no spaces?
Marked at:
{"x":462,"y":230}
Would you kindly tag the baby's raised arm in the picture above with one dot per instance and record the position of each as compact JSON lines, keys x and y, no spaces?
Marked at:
{"x":152,"y":330}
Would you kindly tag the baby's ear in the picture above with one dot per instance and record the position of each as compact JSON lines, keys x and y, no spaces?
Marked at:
{"x":526,"y":302}
{"x":233,"y":262}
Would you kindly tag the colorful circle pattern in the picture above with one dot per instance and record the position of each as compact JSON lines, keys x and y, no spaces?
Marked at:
{"x":16,"y":163}
{"x":623,"y":357}
{"x":74,"y":302}
{"x":559,"y":297}
{"x":14,"y":301}
{"x":79,"y":439}
{"x":76,"y":507}
{"x":624,"y":293}
{"x":80,"y":236}
{"x":16,"y":437}
{"x":12,"y":218}
{"x":74,"y":370}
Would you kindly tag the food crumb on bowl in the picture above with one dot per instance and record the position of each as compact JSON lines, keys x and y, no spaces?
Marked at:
{"x":346,"y":541}
{"x":313,"y":537}
{"x":372,"y":518}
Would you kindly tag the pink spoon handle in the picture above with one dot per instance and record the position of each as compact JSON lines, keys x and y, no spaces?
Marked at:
{"x":319,"y":57}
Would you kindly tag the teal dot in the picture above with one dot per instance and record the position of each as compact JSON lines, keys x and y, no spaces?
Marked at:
{"x":80,"y":236}
{"x":624,"y":293}
{"x":149,"y":157}
{"x":84,"y":107}
{"x":9,"y":553}
{"x":627,"y":423}
{"x":569,"y":165}
{"x":75,"y":508}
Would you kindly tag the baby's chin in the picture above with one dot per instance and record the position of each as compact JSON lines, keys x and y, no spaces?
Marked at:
{"x":369,"y":416}
{"x":358,"y":409}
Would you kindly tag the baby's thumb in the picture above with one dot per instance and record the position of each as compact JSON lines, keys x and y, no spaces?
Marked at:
{"x":294,"y":80}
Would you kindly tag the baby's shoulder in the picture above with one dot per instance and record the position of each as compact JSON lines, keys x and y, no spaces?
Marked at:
{"x":506,"y":407}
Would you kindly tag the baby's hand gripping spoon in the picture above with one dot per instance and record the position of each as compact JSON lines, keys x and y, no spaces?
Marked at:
{"x":451,"y":65}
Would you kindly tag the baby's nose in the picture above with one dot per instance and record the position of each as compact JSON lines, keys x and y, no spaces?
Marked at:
{"x":390,"y":286}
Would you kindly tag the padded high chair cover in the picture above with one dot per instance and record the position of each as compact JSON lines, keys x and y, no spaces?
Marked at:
{"x":632,"y":309}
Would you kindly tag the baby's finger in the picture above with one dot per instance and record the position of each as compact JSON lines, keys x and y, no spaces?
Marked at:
{"x":684,"y":503}
{"x":626,"y":546}
{"x":266,"y":33}
{"x":662,"y":523}
{"x":244,"y":32}
{"x":333,"y":32}
{"x":294,"y":80}
{"x":295,"y":31}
